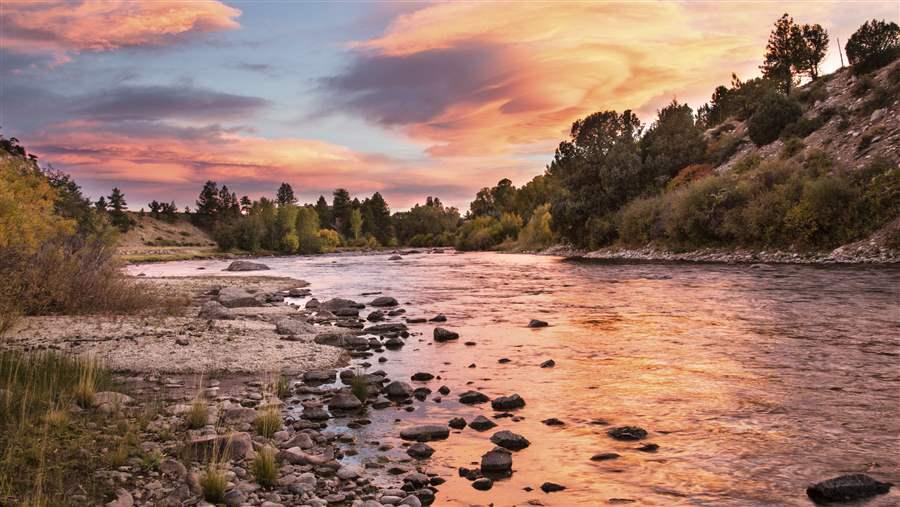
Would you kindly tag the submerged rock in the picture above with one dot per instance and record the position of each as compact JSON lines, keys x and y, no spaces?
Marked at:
{"x":439,"y":318}
{"x":605,"y":456}
{"x":422,"y":376}
{"x":508,"y":402}
{"x":398,"y":389}
{"x":246,"y":266}
{"x":425,"y":433}
{"x":444,"y":335}
{"x":510,"y":440}
{"x":473,"y":397}
{"x":384,"y":301}
{"x":627,"y":433}
{"x":846,"y":488}
{"x":395,"y":258}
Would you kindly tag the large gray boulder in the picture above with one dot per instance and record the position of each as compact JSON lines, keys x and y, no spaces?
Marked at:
{"x":295,"y":327}
{"x":246,"y":266}
{"x":236,"y":297}
{"x":213,"y":310}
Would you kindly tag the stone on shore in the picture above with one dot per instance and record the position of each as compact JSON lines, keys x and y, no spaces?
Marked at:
{"x":508,"y":402}
{"x":510,"y":440}
{"x":236,"y":445}
{"x":320,"y":376}
{"x":444,"y":335}
{"x":420,"y":450}
{"x":295,"y":327}
{"x":236,"y":297}
{"x":246,"y":266}
{"x":425,"y":433}
{"x":213,"y":310}
{"x":847,"y":488}
{"x":335,"y":304}
{"x":482,"y":484}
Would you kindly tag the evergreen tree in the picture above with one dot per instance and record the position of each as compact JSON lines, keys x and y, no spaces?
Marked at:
{"x":324,"y":212}
{"x":246,"y":204}
{"x":673,"y":142}
{"x":379,"y":216}
{"x":154,"y":208}
{"x":285,"y":195}
{"x":873,"y":45}
{"x":117,"y":209}
{"x":340,"y":208}
{"x":208,"y":205}
{"x":781,"y":52}
{"x":101,"y":205}
{"x":356,"y":222}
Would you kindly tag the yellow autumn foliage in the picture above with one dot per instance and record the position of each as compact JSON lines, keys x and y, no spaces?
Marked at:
{"x":27,"y":217}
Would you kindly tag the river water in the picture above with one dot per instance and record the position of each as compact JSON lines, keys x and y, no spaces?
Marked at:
{"x":753,"y":382}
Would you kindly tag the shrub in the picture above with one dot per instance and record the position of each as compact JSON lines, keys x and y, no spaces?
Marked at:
{"x":537,"y":233}
{"x":282,"y":387}
{"x":642,"y":221}
{"x":691,"y":173}
{"x":329,"y":240}
{"x":792,"y":146}
{"x":480,"y":233}
{"x":747,"y":163}
{"x":265,"y":467}
{"x":774,"y":113}
{"x":827,"y":214}
{"x":873,"y":45}
{"x":815,"y":92}
{"x":198,"y":415}
{"x":804,"y":126}
{"x":723,"y":148}
{"x":213,"y":482}
{"x":267,"y":422}
{"x":881,"y":98}
{"x":698,"y":211}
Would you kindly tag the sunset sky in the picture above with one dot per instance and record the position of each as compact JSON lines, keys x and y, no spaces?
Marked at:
{"x":409,"y":99}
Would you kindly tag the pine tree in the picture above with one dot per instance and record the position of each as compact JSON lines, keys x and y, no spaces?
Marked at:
{"x":324,"y":212}
{"x":340,"y":208}
{"x":208,"y":205}
{"x":101,"y":204}
{"x":285,"y":195}
{"x":381,"y":219}
{"x":246,"y":204}
{"x":117,"y":208}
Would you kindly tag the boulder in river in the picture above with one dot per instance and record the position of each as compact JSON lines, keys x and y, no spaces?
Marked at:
{"x":444,"y":335}
{"x":457,"y":423}
{"x":439,"y":318}
{"x":338,"y":303}
{"x":319,"y":376}
{"x":387,"y":327}
{"x":537,"y":323}
{"x":847,"y":488}
{"x":472,"y":398}
{"x":420,"y":450}
{"x":376,"y":316}
{"x":510,"y":440}
{"x":425,"y":433}
{"x":496,"y":461}
{"x":482,"y":423}
{"x":236,"y":297}
{"x":482,"y":484}
{"x":344,"y":402}
{"x":605,"y":456}
{"x":395,"y":258}
{"x":551,"y":487}
{"x":384,"y":301}
{"x":553,"y":422}
{"x":422,"y":376}
{"x":398,"y":390}
{"x":246,"y":266}
{"x":627,"y":433}
{"x":548,"y":364}
{"x":508,"y":402}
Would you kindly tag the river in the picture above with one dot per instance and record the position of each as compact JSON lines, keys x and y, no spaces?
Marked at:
{"x":754,"y":382}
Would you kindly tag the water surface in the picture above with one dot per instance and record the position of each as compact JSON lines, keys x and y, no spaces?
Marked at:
{"x":753,"y":382}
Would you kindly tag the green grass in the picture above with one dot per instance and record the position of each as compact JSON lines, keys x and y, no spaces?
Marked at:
{"x":282,"y":387}
{"x":359,"y":387}
{"x":213,"y":482}
{"x":198,"y":415}
{"x":265,"y":467}
{"x":267,"y":422}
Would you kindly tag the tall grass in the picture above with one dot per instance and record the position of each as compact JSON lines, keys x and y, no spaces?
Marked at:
{"x":40,"y":439}
{"x":265,"y":467}
{"x":268,"y":422}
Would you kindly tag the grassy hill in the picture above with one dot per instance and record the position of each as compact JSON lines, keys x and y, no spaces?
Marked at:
{"x":154,"y":239}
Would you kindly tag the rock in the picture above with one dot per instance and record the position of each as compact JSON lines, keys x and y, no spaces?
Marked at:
{"x":482,"y":484}
{"x":393,"y":343}
{"x":376,"y":316}
{"x":847,"y":488}
{"x":349,"y":472}
{"x":123,"y":499}
{"x":537,"y":323}
{"x":301,"y":440}
{"x":422,"y":376}
{"x":551,"y":487}
{"x":338,"y":303}
{"x":605,"y":456}
{"x":344,"y":401}
{"x":425,"y":433}
{"x":443,"y":335}
{"x":237,"y":445}
{"x":548,"y":364}
{"x":346,"y":312}
{"x":173,"y":469}
{"x":420,"y":450}
{"x":473,"y":397}
{"x":510,"y":440}
{"x":411,"y":501}
{"x":235,"y":297}
{"x":320,"y":376}
{"x":109,"y":400}
{"x":395,"y":258}
{"x":234,"y":498}
{"x":648,"y":448}
{"x":296,"y":456}
{"x":246,"y":266}
{"x":385,"y":328}
{"x":457,"y":423}
{"x":312,"y":304}
{"x":343,"y":340}
{"x":315,"y":414}
{"x":439,"y":318}
{"x":627,"y":433}
{"x":383,"y":301}
{"x":508,"y":402}
{"x":496,"y":461}
{"x":504,"y":360}
{"x":213,"y":310}
{"x":482,"y":423}
{"x":295,"y":327}
{"x":876,"y":115}
{"x":398,"y":390}
{"x":444,"y":390}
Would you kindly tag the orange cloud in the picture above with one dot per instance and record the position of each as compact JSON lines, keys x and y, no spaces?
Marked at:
{"x":548,"y":63}
{"x":60,"y":26}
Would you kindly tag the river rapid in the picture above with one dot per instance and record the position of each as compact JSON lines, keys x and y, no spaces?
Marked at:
{"x":754,"y":382}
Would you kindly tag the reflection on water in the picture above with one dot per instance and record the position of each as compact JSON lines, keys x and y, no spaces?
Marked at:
{"x":753,"y":382}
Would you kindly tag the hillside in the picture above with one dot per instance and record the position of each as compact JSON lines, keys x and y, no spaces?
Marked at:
{"x":152,"y":239}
